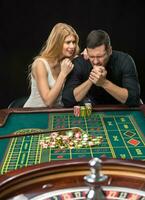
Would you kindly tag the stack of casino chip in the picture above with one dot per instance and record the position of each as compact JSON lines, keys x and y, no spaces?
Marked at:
{"x":70,"y":140}
{"x":88,"y":107}
{"x":77,"y":111}
{"x":83,"y":111}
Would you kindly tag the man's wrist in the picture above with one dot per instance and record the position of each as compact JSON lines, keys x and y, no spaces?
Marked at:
{"x":105,"y":83}
{"x":90,"y":82}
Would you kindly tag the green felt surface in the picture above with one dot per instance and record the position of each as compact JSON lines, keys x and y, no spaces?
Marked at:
{"x":123,"y":137}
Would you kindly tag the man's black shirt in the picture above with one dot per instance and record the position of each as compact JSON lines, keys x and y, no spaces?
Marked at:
{"x":121,"y":70}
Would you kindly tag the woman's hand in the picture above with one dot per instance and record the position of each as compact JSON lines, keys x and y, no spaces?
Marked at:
{"x":66,"y":66}
{"x":85,"y":54}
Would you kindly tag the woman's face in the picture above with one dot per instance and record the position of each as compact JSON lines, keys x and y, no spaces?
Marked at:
{"x":69,"y":46}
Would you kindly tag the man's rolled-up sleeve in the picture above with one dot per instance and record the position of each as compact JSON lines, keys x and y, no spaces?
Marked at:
{"x":131,"y":82}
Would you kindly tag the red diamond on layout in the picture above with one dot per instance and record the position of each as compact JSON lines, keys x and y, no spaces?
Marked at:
{"x":133,"y":142}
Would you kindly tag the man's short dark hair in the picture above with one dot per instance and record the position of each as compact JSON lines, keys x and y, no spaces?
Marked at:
{"x":97,"y":38}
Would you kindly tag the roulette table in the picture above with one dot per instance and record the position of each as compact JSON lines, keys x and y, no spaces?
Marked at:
{"x":123,"y":132}
{"x":122,"y":129}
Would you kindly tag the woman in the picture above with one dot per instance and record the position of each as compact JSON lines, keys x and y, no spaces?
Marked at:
{"x":51,"y":67}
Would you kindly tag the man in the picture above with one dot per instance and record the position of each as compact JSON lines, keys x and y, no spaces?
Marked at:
{"x":107,"y":77}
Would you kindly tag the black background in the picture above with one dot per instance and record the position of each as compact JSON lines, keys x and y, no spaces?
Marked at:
{"x":25,"y":26}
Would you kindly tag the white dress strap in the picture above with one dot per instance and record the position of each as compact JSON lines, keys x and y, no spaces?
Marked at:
{"x":51,"y":80}
{"x":45,"y":63}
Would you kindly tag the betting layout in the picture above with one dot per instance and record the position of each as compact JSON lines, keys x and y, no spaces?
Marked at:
{"x":121,"y":138}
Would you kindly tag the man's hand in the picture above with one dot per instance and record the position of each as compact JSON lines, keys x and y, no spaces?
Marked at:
{"x":98,"y":75}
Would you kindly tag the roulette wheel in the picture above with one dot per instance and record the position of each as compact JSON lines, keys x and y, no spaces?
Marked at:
{"x":70,"y":179}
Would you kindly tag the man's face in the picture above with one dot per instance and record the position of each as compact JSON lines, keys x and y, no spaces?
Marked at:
{"x":99,"y":56}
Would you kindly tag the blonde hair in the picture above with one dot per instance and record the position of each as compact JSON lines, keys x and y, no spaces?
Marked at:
{"x":54,"y":44}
